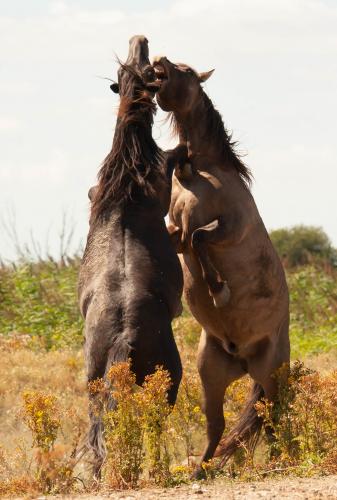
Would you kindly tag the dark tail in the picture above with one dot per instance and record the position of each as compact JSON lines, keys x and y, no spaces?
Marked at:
{"x":247,"y":430}
{"x":95,"y":438}
{"x":96,"y":444}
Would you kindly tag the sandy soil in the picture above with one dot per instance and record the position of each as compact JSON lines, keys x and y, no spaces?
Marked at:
{"x":296,"y":488}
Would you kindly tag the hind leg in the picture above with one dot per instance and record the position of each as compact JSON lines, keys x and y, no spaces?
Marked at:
{"x":217,"y":370}
{"x":269,"y":357}
{"x":270,"y":354}
{"x":175,"y":369}
{"x":158,"y":350}
{"x":265,"y":357}
{"x":96,"y":355}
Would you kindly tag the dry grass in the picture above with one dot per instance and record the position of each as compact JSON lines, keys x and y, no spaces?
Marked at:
{"x":25,"y":468}
{"x":59,"y":373}
{"x":28,"y":366}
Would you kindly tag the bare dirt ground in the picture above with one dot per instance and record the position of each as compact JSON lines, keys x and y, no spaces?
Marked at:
{"x":324,"y":488}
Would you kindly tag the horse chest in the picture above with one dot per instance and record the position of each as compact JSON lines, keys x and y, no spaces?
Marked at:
{"x":193,"y":202}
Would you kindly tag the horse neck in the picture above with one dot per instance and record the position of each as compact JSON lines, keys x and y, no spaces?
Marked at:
{"x":132,"y":165}
{"x":133,"y":141}
{"x":136,"y":125}
{"x":202,"y":129}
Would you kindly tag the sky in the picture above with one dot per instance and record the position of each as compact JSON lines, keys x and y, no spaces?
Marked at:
{"x":275,"y":84}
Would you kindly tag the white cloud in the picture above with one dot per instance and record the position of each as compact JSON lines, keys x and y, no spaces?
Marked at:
{"x":59,"y":7}
{"x":52,"y":171}
{"x":9,"y":124}
{"x":275,"y":85}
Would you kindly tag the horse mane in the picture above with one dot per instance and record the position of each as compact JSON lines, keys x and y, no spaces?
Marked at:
{"x":134,"y":162}
{"x":216,"y":133}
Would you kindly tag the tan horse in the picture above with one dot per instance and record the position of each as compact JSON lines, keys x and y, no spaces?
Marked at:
{"x":234,"y":282}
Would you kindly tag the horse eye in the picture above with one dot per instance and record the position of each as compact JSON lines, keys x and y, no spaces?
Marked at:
{"x":150,"y":72}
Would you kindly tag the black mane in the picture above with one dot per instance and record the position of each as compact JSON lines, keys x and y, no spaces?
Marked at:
{"x":135,"y":160}
{"x":216,"y":133}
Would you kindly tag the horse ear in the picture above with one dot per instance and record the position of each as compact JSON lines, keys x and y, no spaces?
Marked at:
{"x":115,"y":88}
{"x":92,"y":192}
{"x":205,"y":76}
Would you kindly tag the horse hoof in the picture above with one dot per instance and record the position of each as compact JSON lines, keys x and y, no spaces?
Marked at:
{"x":221,"y":298}
{"x":198,"y":474}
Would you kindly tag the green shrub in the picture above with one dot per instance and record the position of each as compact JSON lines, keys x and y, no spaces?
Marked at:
{"x":40,"y":299}
{"x":135,"y":429}
{"x":313,"y":310}
{"x":54,"y":467}
{"x":304,"y":420}
{"x":300,"y":244}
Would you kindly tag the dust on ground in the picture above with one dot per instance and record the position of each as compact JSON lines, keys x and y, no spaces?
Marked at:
{"x":324,"y":488}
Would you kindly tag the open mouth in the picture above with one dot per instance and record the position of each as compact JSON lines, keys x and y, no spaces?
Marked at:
{"x":160,"y":71}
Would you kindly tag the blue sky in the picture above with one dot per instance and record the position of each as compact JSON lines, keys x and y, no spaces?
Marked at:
{"x":275,"y":83}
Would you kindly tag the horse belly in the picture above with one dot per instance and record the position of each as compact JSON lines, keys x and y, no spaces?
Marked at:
{"x":248,"y":317}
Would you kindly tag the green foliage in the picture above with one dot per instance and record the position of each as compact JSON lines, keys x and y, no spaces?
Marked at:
{"x":313,"y":310}
{"x":41,"y":416}
{"x":155,"y":411}
{"x":300,"y":244}
{"x":40,"y":299}
{"x":304,"y":419}
{"x":187,"y":417}
{"x":53,"y":467}
{"x":124,"y":434}
{"x":135,"y":428}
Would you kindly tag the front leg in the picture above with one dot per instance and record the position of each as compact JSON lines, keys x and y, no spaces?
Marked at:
{"x":216,"y":232}
{"x":176,"y":159}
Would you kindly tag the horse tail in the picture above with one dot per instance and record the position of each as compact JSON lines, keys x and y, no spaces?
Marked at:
{"x":247,"y":430}
{"x":95,"y":439}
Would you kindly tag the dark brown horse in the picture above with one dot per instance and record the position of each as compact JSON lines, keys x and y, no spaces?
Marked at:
{"x":234,"y":282}
{"x":130,"y":281}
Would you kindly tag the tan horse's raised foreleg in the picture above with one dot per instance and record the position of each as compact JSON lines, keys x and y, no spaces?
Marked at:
{"x":217,"y":370}
{"x":214,"y":232}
